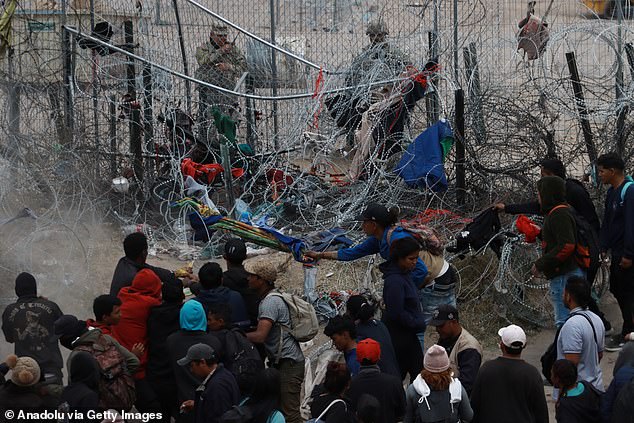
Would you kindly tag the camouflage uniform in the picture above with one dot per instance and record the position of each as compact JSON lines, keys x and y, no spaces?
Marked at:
{"x":208,"y":57}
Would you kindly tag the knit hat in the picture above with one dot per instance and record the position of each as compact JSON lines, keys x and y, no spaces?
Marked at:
{"x":24,"y":370}
{"x":368,"y":351}
{"x":436,"y":359}
{"x":263,"y":270}
{"x":25,"y":285}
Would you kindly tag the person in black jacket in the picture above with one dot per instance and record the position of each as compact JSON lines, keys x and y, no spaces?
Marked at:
{"x":193,"y":323}
{"x":164,"y":320}
{"x":329,"y":404}
{"x":218,"y":391}
{"x":135,"y":247}
{"x":403,"y":315}
{"x":214,"y":292}
{"x":617,"y":237}
{"x":236,"y":277}
{"x":578,"y":402}
{"x":387,"y":388}
{"x":362,"y":312}
{"x":82,"y":393}
{"x":28,"y":323}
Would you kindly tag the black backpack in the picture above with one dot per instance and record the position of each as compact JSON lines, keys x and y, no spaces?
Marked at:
{"x":237,"y":414}
{"x":242,"y":359}
{"x":550,"y":356}
{"x":587,"y":248}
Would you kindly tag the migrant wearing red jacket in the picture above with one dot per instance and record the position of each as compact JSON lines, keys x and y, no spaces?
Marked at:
{"x":136,"y":302}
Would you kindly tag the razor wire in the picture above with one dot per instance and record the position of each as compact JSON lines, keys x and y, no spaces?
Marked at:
{"x":66,"y":171}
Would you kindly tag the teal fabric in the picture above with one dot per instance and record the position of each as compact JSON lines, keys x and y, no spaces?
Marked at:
{"x":193,"y":316}
{"x":577,"y":390}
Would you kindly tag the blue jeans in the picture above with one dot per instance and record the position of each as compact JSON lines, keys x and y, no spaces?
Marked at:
{"x":431,"y":297}
{"x":557,"y":285}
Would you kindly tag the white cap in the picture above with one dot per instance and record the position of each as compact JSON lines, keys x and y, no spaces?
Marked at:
{"x":512,"y":334}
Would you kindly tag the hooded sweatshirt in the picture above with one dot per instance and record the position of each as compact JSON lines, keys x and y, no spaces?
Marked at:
{"x":164,"y":320}
{"x":224,"y":295}
{"x":402,"y":306}
{"x":29,"y":324}
{"x":193,"y":323}
{"x":82,"y":394}
{"x":559,"y":230}
{"x":136,"y":302}
{"x":426,"y":405}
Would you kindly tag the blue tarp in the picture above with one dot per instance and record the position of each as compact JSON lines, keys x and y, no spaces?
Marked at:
{"x":422,"y":163}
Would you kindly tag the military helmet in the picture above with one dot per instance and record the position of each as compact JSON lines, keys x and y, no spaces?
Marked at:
{"x":376,"y":28}
{"x":219,"y":29}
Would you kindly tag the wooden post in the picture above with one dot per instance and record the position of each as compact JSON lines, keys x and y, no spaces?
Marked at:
{"x":581,"y":107}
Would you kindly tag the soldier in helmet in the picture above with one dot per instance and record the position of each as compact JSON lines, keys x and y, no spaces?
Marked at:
{"x":377,"y":61}
{"x":219,"y":63}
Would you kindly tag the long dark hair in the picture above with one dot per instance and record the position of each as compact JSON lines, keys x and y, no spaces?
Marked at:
{"x":360,"y":308}
{"x":566,"y":373}
{"x":265,"y":396}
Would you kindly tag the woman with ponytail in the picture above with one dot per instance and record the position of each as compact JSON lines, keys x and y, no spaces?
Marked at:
{"x":362,"y":311}
{"x":578,"y":401}
{"x":380,"y":225}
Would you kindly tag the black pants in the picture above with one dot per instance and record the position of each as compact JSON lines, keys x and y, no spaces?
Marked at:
{"x":622,"y":287}
{"x":166,"y":394}
{"x":146,"y":399}
{"x":409,"y":353}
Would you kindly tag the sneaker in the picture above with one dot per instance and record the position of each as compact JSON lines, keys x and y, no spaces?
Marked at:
{"x":614,"y":343}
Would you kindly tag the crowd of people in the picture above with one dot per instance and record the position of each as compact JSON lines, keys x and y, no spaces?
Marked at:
{"x":227,"y":354}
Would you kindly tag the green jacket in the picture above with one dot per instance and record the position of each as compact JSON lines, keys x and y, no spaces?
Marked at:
{"x":559,"y":231}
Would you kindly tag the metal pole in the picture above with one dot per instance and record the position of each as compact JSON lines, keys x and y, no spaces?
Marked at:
{"x":274,"y":76}
{"x":252,"y":133}
{"x":135,"y":114}
{"x":455,"y":44}
{"x":181,"y":41}
{"x":157,"y":16}
{"x":95,"y":90}
{"x":581,"y":107}
{"x":68,"y":89}
{"x":475,"y":94}
{"x":432,"y":100}
{"x":622,"y":108}
{"x":112,"y":120}
{"x":148,"y":105}
{"x":629,"y":51}
{"x":461,"y":180}
{"x":226,"y":165}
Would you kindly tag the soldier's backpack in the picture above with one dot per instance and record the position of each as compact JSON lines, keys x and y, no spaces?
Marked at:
{"x":242,"y":359}
{"x":116,"y":385}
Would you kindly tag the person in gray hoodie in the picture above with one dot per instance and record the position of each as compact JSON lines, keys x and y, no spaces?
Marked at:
{"x":435,"y":395}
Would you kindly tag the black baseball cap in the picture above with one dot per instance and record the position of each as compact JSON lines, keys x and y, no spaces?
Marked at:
{"x":444,"y":314}
{"x":375,"y":212}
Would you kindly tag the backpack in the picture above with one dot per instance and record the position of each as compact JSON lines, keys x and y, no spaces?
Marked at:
{"x":550,"y":355}
{"x":242,"y":359}
{"x":116,"y":385}
{"x":237,"y":414}
{"x":427,"y":237}
{"x":587,"y":249}
{"x":304,"y":324}
{"x":628,"y":181}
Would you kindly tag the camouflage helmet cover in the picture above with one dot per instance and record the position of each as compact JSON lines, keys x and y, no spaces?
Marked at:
{"x":219,"y":29}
